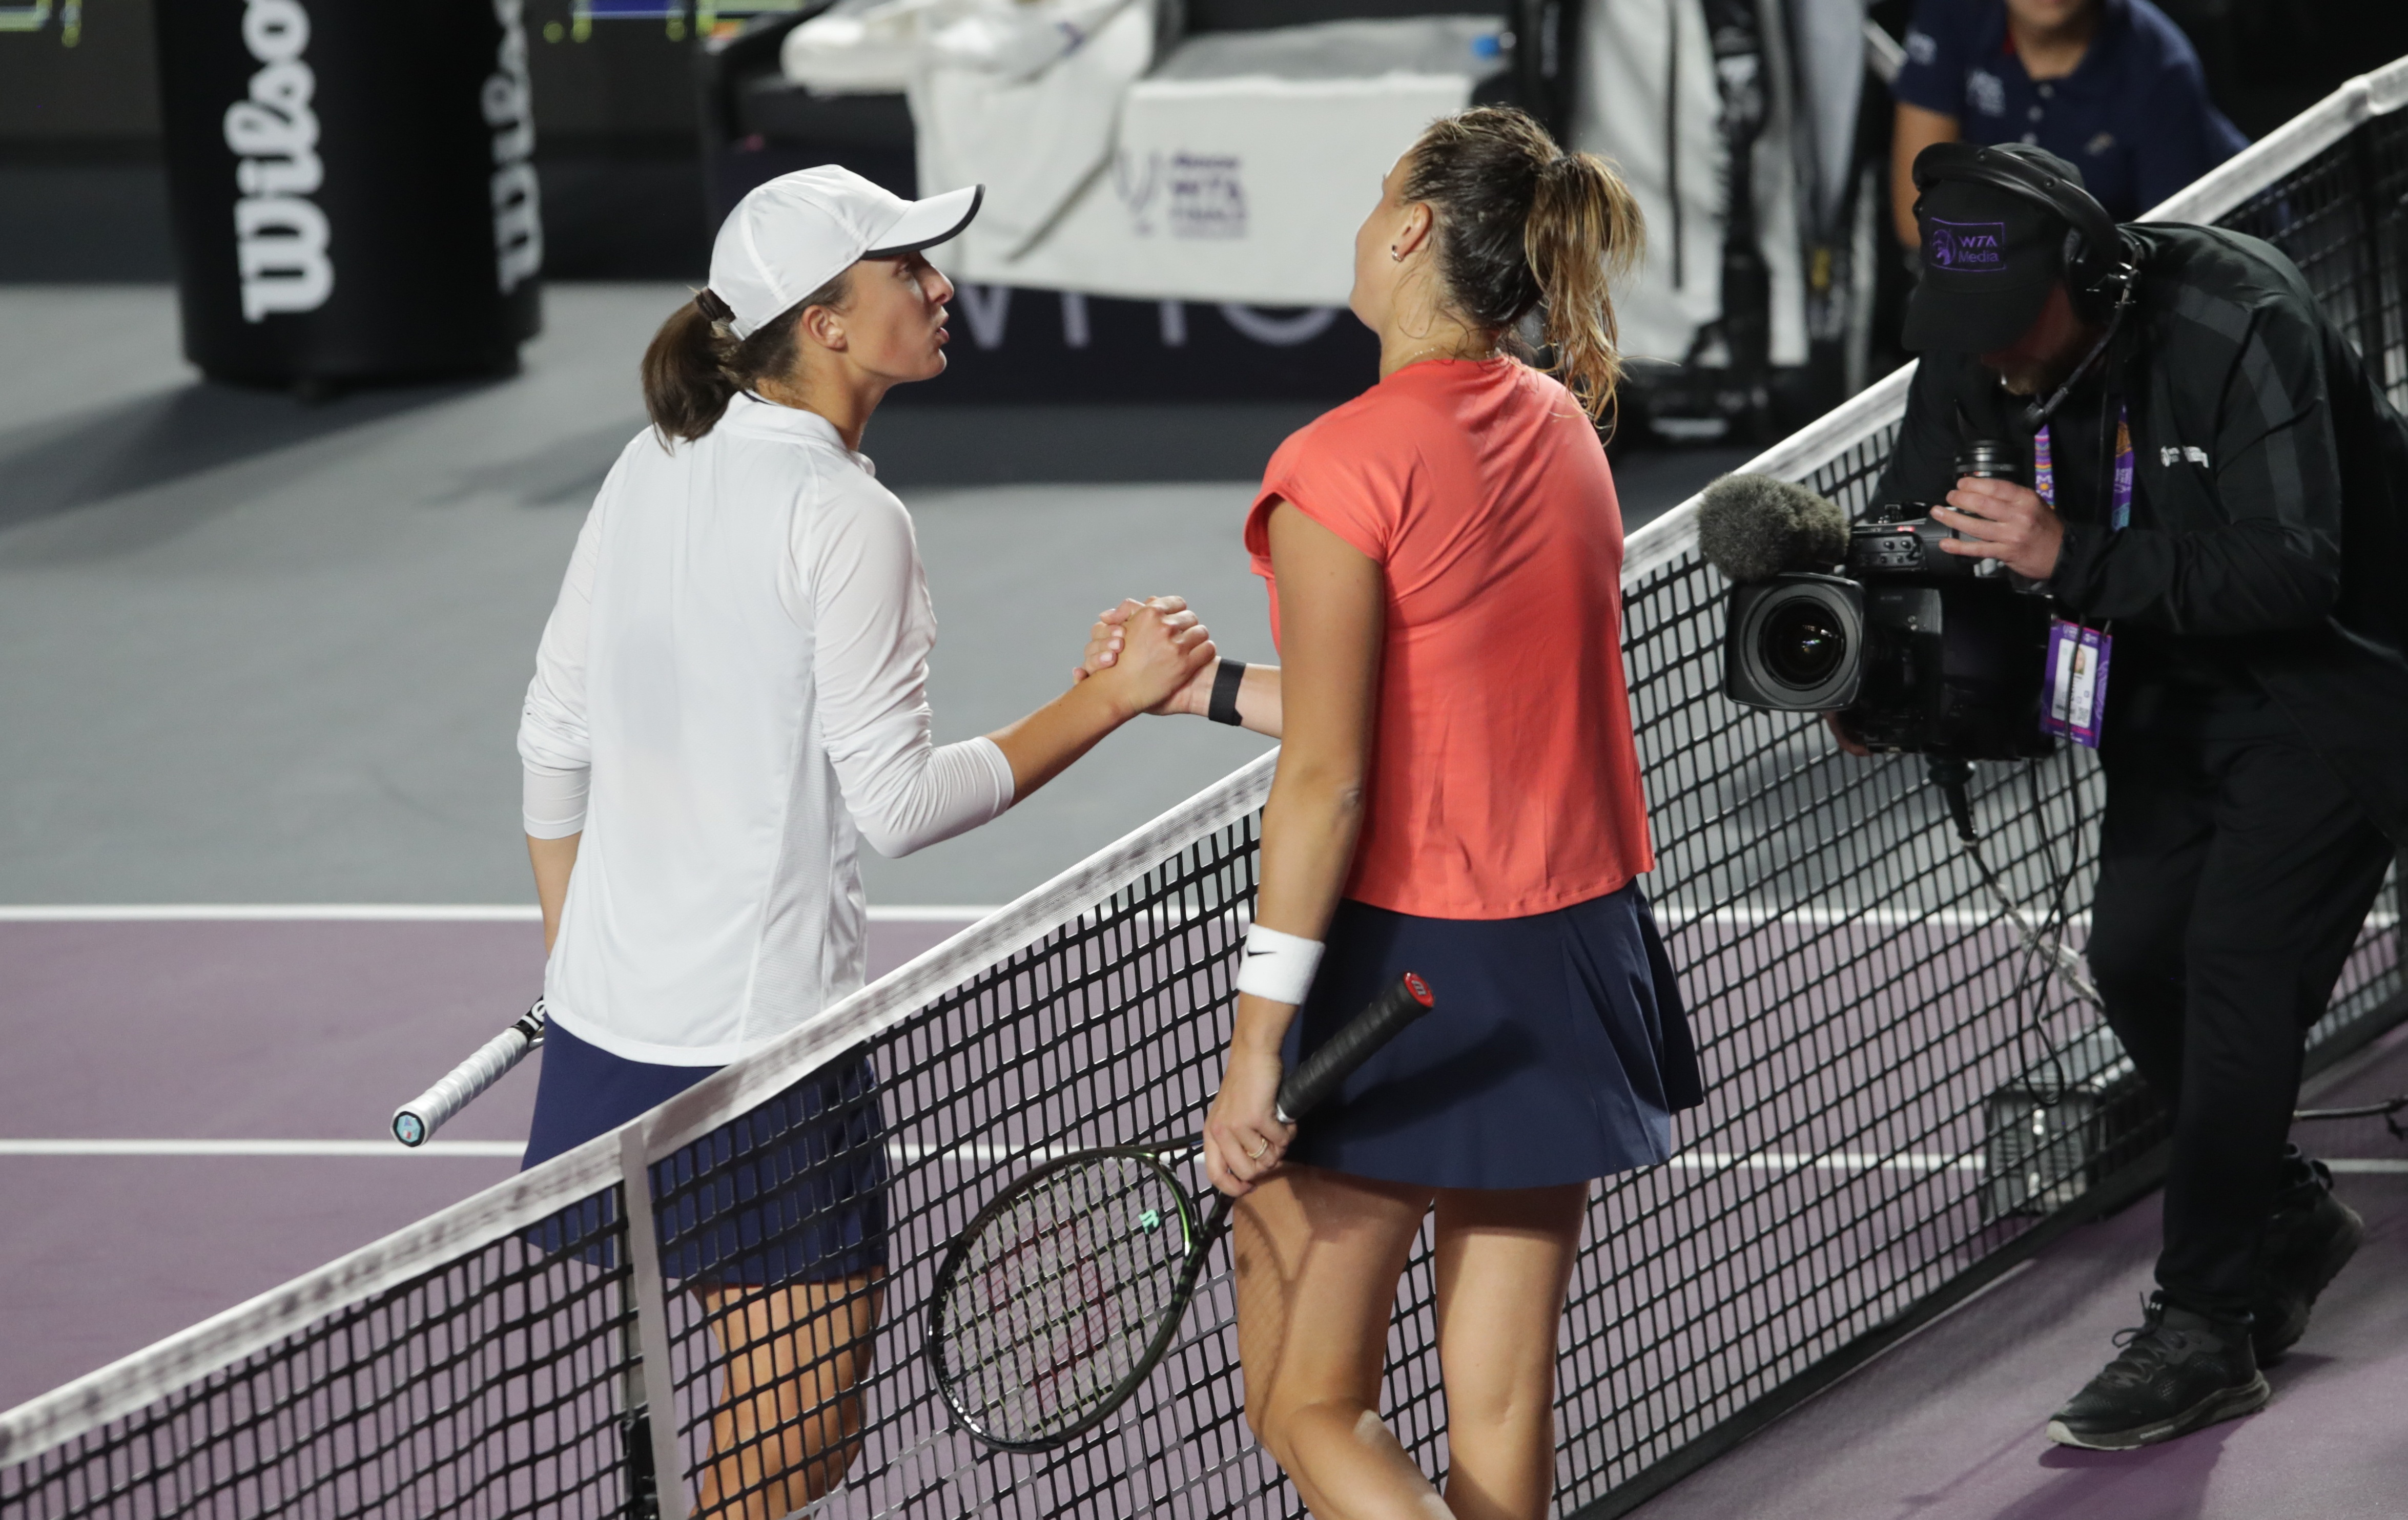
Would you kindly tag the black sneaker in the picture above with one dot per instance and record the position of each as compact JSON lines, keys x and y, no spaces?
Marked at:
{"x":2309,"y":1239}
{"x":2178,"y":1372}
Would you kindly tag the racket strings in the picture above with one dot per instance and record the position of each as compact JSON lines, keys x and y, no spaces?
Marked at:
{"x":1061,"y":1295}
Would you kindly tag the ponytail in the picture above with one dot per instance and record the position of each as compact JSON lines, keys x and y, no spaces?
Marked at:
{"x":1522,"y":222}
{"x":697,"y":363}
{"x":686,"y":384}
{"x":1584,"y":231}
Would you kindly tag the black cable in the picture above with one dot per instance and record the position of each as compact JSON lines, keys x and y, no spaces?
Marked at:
{"x":2053,"y":927}
{"x":1951,"y":777}
{"x":2387,"y":1111}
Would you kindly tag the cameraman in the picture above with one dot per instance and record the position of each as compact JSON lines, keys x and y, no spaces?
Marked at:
{"x":2247,"y":566}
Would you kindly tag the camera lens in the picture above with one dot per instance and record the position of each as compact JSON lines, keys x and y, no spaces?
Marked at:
{"x":1986,"y":459}
{"x":1802,"y":643}
{"x":1797,"y":644}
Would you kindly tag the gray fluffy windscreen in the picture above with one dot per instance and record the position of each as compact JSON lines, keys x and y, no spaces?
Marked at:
{"x":1754,"y":526}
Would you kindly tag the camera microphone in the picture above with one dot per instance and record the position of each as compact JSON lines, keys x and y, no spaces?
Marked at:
{"x":1754,"y":526}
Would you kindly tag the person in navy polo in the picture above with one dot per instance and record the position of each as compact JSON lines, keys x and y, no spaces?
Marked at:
{"x":2111,"y":86}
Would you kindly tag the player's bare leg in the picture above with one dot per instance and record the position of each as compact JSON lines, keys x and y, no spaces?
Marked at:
{"x":1318,"y":1255}
{"x":1504,"y":1261}
{"x":788,"y":1423}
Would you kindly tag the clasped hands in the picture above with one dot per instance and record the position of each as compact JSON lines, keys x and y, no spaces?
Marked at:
{"x":1109,"y":649}
{"x":1152,"y":653}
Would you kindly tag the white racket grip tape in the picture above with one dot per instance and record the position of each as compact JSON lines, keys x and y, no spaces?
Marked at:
{"x":415,"y":1122}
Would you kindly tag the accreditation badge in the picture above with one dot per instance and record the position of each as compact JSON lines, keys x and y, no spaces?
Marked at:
{"x":2073,"y":685}
{"x":2073,"y":688}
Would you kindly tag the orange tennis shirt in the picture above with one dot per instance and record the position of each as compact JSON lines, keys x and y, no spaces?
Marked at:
{"x":1504,"y":779}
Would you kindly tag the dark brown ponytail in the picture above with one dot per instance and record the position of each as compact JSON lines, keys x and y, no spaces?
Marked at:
{"x":695,"y":365}
{"x":1522,"y":222}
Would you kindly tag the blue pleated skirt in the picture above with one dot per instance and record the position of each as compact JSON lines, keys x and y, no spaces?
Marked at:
{"x":1557,"y":1053}
{"x":793,"y":1191}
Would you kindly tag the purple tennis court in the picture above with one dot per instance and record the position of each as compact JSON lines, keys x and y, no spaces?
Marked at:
{"x":193,"y":1108}
{"x":1948,"y":1422}
{"x":238,"y":1140}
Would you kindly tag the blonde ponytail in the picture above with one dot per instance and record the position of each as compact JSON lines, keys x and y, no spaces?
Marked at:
{"x":1522,"y":222}
{"x":1583,"y":232}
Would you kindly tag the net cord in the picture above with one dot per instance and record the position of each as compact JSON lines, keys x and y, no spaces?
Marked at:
{"x":135,"y":1382}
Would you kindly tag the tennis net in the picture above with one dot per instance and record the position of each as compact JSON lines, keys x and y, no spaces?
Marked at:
{"x":559,"y":1344}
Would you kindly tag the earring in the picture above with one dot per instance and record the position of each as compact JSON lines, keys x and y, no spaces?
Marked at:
{"x":1393,"y":256}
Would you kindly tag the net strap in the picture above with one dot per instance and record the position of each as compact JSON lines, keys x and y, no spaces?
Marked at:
{"x":651,"y":1322}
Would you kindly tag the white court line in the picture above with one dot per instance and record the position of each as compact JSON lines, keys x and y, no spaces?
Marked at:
{"x":1672,"y":916}
{"x":1709,"y":1161}
{"x":909,"y":1153}
{"x":1704,"y":1163}
{"x":455,"y":1148}
{"x":904,"y":1153}
{"x":472,"y":912}
{"x":70,"y":913}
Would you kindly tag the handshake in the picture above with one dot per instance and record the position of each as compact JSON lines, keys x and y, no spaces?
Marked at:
{"x":1159,"y":649}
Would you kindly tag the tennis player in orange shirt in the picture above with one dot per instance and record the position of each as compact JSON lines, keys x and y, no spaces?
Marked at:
{"x":1453,"y":798}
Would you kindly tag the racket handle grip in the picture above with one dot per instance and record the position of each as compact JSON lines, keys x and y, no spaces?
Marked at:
{"x":1319,"y":1075}
{"x":415,"y":1122}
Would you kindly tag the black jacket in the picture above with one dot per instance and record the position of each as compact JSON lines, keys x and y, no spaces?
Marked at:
{"x":2271,"y":483}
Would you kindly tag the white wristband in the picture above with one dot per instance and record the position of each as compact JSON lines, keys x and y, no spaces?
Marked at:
{"x":1278,"y":966}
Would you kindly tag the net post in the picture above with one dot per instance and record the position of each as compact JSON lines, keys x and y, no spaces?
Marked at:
{"x":652,"y":1321}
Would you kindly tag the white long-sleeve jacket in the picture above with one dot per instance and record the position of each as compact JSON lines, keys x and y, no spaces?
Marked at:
{"x":732,"y":690}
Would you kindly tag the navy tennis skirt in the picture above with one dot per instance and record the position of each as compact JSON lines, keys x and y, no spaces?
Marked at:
{"x":793,"y":1191}
{"x":1557,"y":1053}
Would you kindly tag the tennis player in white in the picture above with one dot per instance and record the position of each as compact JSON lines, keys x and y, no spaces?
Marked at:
{"x":730,"y":695}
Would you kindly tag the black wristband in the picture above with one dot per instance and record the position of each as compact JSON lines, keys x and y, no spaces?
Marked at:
{"x":1224,"y":706}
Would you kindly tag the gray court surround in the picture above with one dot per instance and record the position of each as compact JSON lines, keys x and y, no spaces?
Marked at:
{"x":257,"y":651}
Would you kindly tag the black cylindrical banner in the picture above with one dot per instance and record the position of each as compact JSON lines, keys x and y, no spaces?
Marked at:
{"x":352,"y":186}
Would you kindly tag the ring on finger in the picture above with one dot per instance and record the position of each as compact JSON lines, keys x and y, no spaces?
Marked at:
{"x":1256,"y":1153}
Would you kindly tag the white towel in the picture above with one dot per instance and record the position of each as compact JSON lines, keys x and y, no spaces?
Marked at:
{"x":1625,"y":70}
{"x":859,"y":47}
{"x":1035,"y":140}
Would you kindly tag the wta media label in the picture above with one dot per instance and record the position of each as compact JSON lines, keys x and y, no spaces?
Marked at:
{"x":279,"y":233}
{"x":1208,"y":196}
{"x":1975,"y":246}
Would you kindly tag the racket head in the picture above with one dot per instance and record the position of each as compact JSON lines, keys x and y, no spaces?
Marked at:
{"x":1060,"y":1297}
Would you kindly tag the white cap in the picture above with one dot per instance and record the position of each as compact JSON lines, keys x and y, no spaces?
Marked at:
{"x":792,"y":235}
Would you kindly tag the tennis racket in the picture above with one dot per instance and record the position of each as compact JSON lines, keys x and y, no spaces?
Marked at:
{"x":415,"y":1122}
{"x":1069,"y":1286}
